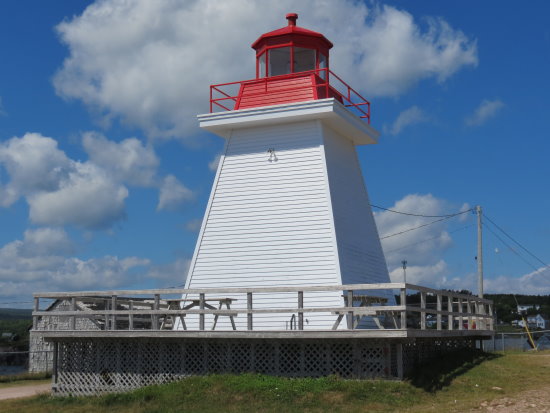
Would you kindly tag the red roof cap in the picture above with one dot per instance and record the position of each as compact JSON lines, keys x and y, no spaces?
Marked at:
{"x":292,"y":29}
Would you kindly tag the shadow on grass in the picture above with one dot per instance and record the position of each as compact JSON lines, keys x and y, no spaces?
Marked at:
{"x":440,"y":371}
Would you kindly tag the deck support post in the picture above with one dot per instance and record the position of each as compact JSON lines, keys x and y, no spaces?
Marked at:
{"x":399,"y":354}
{"x":55,"y":366}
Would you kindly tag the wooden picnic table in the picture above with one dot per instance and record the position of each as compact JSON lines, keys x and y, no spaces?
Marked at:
{"x":364,"y":305}
{"x":176,"y":304}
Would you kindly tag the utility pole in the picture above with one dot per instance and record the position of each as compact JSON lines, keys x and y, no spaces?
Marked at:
{"x":479,"y":253}
{"x":404,"y":262}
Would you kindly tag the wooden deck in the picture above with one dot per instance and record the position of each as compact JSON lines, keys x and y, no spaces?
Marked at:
{"x":365,"y":310}
{"x":111,"y":341}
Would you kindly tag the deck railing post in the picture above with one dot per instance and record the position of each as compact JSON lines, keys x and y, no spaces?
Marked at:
{"x":72,"y":320}
{"x":491,"y":318}
{"x":450,"y":319}
{"x":439,"y":308}
{"x":131,"y":316}
{"x":422,"y":310}
{"x":249,"y":308}
{"x":156,"y":307}
{"x":35,"y":317}
{"x":403,"y":302}
{"x":201,"y":316}
{"x":350,"y":315}
{"x":460,"y":317}
{"x":300,"y":313}
{"x":113,"y":312}
{"x":106,"y":305}
{"x":482,"y":320}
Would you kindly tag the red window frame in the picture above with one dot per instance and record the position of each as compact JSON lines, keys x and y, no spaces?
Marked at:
{"x":291,"y":45}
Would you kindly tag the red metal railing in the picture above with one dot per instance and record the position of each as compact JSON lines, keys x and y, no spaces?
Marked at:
{"x":225,"y":96}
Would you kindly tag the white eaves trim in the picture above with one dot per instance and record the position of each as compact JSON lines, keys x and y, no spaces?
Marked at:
{"x":329,"y":111}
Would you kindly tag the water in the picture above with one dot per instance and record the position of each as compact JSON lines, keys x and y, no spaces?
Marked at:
{"x":12,"y":370}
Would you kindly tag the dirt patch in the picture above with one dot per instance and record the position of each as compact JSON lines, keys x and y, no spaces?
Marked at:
{"x":531,"y":400}
{"x":24,"y":391}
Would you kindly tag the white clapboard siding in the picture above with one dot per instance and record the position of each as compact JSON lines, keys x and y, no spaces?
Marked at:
{"x":269,"y":223}
{"x":359,"y":249}
{"x":298,"y":218}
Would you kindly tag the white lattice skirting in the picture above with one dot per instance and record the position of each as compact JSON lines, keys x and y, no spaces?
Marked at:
{"x":95,"y":366}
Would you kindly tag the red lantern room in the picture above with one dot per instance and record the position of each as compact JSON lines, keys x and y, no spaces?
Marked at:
{"x":291,"y":49}
{"x":292,"y":65}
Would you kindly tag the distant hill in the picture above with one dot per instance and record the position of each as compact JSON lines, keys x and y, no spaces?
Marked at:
{"x":506,"y":307}
{"x":15,"y":313}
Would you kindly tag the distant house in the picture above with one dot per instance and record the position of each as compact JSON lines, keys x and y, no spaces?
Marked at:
{"x":522,"y":309}
{"x":537,"y":321}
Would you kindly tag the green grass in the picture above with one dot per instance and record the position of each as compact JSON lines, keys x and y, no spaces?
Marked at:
{"x":454,"y":383}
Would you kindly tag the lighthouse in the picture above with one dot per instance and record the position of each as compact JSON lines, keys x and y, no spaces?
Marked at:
{"x":288,"y":206}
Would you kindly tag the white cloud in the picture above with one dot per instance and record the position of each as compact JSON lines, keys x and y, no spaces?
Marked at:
{"x":213,"y":164}
{"x":88,"y":198}
{"x":34,"y":163}
{"x":46,"y":241}
{"x":486,"y":110}
{"x":126,"y":161}
{"x":173,"y":194}
{"x":408,"y":117}
{"x":424,"y":247}
{"x":432,"y":275}
{"x":38,"y":263}
{"x":536,"y":282}
{"x":193,"y":225}
{"x":172,"y":274}
{"x":150,"y":63}
{"x":89,"y":195}
{"x":59,"y":190}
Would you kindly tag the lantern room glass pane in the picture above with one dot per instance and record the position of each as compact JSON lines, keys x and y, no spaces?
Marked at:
{"x":261,"y":66}
{"x":279,"y":61}
{"x":322,"y":65}
{"x":304,"y":59}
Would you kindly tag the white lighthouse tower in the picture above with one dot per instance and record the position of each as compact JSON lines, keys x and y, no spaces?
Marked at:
{"x":288,"y":205}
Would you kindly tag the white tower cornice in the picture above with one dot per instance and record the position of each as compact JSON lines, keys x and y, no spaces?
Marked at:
{"x":329,"y":111}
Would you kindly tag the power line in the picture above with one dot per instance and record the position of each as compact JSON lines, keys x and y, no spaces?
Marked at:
{"x":429,"y":239}
{"x":511,"y":249}
{"x":420,"y":226}
{"x":421,"y":215}
{"x":521,"y":246}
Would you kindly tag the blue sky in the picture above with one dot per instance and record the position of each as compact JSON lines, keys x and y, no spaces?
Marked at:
{"x":104,"y":176}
